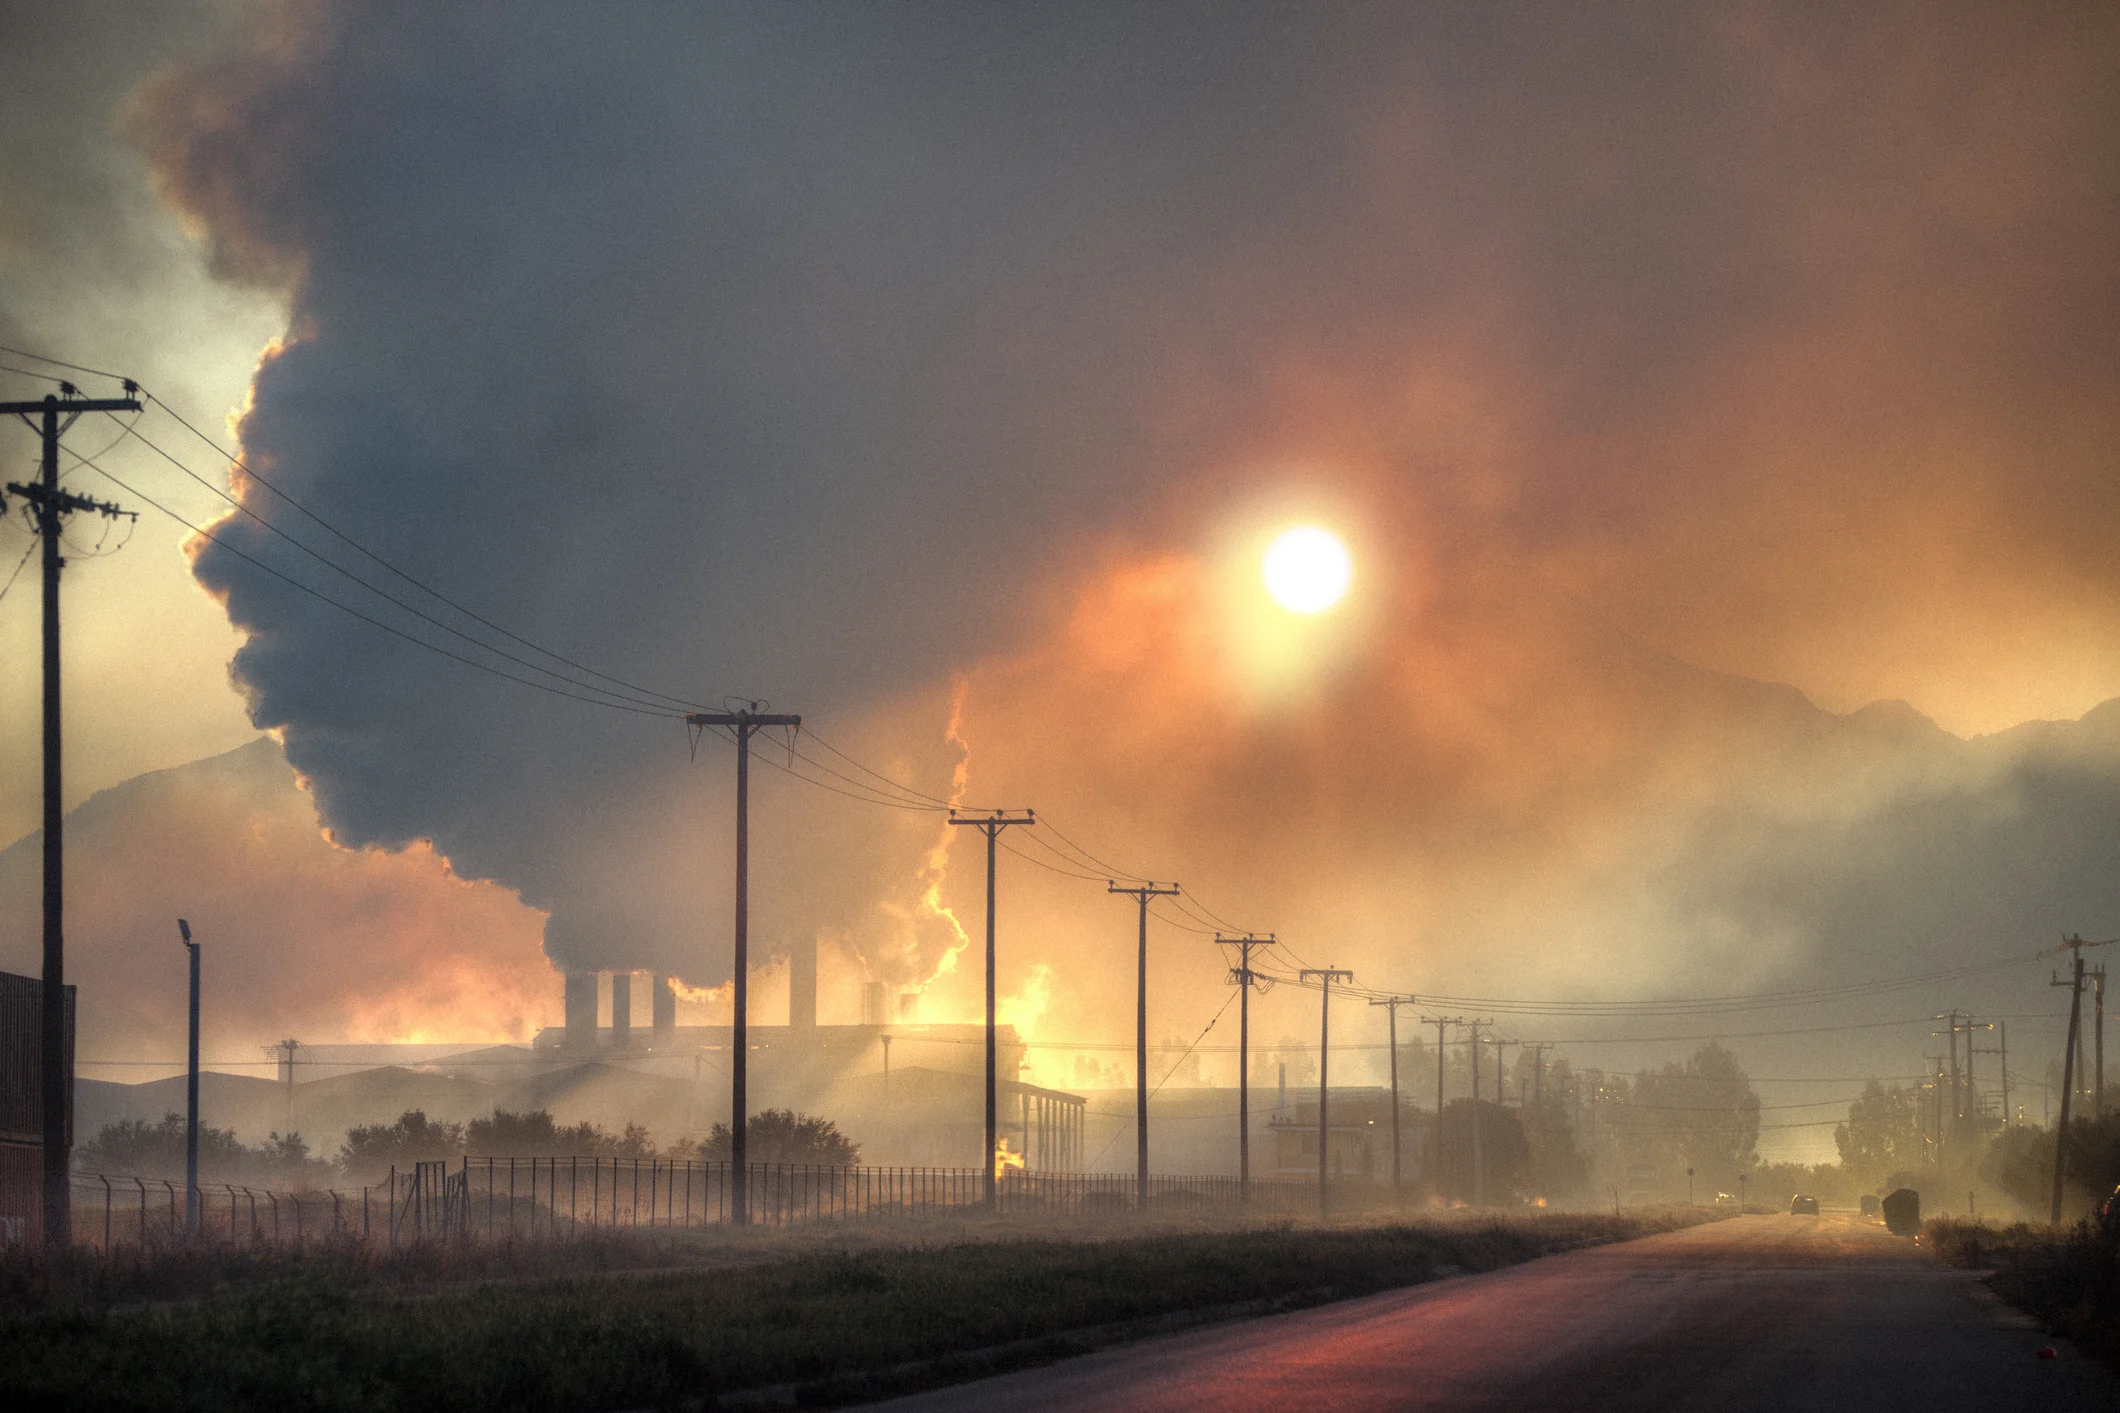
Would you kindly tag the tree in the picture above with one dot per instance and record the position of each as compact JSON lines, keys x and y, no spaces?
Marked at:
{"x":137,"y":1148}
{"x":1505,"y":1153}
{"x":1701,"y":1114}
{"x":784,"y":1136}
{"x":536,"y":1135}
{"x":414,"y":1138}
{"x":1882,"y":1134}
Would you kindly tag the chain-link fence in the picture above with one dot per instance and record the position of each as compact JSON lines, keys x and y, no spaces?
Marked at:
{"x":556,"y":1199}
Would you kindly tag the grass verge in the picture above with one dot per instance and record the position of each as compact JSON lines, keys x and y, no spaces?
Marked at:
{"x":2068,"y":1277}
{"x":324,"y":1336}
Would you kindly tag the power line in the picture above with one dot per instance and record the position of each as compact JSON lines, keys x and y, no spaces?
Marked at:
{"x":366,"y":618}
{"x":642,"y":696}
{"x":26,"y":553}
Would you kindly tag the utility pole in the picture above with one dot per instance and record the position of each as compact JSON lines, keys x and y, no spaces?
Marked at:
{"x":191,"y":1093}
{"x":1538,"y":1051}
{"x":991,"y":826}
{"x":51,"y":506}
{"x":1957,"y":1107}
{"x":1501,"y":1075}
{"x":2068,"y":1070}
{"x":2098,"y":1051}
{"x":1391,"y":1006}
{"x":2003,"y":1052}
{"x":1325,"y":976}
{"x":2002,"y":1029}
{"x":1477,"y":1184}
{"x":745,"y":723}
{"x":1439,"y":1022}
{"x":1243,"y":975}
{"x":1141,"y":895}
{"x":287,"y":1049}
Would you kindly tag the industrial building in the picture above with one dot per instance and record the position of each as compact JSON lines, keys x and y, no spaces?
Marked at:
{"x":22,"y":1105}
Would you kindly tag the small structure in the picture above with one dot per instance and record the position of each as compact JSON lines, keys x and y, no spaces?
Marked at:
{"x":22,"y":1105}
{"x":1358,"y":1139}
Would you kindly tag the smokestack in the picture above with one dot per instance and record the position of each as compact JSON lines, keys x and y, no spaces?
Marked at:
{"x":802,"y":982}
{"x":581,"y":1010}
{"x":621,"y":1007}
{"x":665,"y":1005}
{"x":872,"y":1007}
{"x":909,"y":1008}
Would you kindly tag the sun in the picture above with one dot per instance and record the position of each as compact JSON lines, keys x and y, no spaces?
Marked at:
{"x":1307,"y":569}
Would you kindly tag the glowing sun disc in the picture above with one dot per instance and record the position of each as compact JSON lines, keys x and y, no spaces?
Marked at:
{"x":1307,"y":569}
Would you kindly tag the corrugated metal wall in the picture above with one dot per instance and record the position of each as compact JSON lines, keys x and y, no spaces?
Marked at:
{"x":22,"y":1104}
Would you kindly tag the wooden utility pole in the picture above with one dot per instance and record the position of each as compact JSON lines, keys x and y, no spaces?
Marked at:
{"x":1246,"y":978}
{"x":1325,"y":976}
{"x":51,"y":506}
{"x":2098,"y":1049}
{"x":2002,"y":1029}
{"x":991,"y":826}
{"x":1436,"y":1169}
{"x":2068,"y":1070}
{"x":1141,"y":895}
{"x":287,"y":1048}
{"x":1391,"y":1006}
{"x":745,"y":724}
{"x":1478,"y":1185}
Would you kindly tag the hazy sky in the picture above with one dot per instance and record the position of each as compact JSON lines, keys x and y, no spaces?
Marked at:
{"x":904,"y":365}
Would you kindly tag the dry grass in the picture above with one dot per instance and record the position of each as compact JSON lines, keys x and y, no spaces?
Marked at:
{"x":543,"y":1329}
{"x":2068,"y":1277}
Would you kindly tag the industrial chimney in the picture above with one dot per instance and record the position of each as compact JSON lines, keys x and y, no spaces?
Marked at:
{"x":581,"y":1010}
{"x":665,"y":1010}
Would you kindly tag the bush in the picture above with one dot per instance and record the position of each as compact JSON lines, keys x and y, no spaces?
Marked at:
{"x":136,"y":1148}
{"x":535,"y":1135}
{"x":784,"y":1136}
{"x":371,"y":1149}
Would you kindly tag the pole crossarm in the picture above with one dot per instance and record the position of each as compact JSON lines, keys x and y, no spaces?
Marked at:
{"x":72,"y":406}
{"x":744,"y":720}
{"x":991,"y":824}
{"x":67,"y":503}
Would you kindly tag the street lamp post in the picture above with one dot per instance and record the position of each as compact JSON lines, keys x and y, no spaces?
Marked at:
{"x":191,"y":1093}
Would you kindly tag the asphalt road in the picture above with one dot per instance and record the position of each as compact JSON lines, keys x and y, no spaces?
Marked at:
{"x":1812,"y":1313}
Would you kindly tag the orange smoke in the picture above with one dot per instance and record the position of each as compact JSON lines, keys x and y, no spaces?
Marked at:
{"x":301,"y":938}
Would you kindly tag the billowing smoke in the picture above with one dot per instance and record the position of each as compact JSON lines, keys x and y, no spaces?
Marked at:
{"x":829,"y":356}
{"x":300,"y":938}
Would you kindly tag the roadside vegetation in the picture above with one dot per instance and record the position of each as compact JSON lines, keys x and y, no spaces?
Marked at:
{"x":599,"y":1326}
{"x":137,"y":1148}
{"x":2067,"y":1277}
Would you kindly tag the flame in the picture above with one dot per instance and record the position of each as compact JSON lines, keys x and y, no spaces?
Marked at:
{"x":935,"y":863}
{"x":1004,"y":1159}
{"x":1025,"y":1006}
{"x":722,"y":995}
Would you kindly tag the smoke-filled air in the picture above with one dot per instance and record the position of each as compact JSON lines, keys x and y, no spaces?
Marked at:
{"x":1607,"y":507}
{"x":1424,"y":697}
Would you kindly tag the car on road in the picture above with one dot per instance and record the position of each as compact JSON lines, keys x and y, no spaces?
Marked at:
{"x":1803,"y":1204}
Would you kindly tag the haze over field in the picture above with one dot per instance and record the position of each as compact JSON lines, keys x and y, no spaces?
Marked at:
{"x":1683,"y":382}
